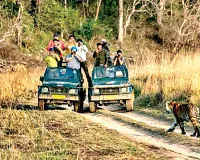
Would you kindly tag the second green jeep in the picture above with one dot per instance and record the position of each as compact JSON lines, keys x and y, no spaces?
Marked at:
{"x":111,"y":85}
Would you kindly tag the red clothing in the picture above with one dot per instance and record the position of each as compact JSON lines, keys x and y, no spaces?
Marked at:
{"x":51,"y":44}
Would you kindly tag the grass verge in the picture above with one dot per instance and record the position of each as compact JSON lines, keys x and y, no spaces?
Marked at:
{"x":64,"y":135}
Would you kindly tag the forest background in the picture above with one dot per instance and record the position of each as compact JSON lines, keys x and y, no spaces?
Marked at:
{"x":161,"y":36}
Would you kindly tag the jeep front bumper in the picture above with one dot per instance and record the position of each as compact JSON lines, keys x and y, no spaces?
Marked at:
{"x":111,"y":97}
{"x":58,"y":97}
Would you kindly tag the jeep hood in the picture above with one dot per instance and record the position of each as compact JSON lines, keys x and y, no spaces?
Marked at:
{"x":107,"y":81}
{"x":60,"y":84}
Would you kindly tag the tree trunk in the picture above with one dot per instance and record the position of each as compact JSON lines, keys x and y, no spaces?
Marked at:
{"x":120,"y":26}
{"x":128,"y":19}
{"x":19,"y":25}
{"x":98,"y":8}
{"x":65,"y":4}
{"x":160,"y":11}
{"x":87,"y":8}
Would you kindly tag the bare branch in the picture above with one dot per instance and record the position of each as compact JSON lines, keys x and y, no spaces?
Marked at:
{"x":134,"y":10}
{"x":15,"y":25}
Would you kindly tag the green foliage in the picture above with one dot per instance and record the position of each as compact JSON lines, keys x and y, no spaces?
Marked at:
{"x":54,"y":18}
{"x":10,"y":8}
{"x":143,"y":100}
{"x":91,"y":28}
{"x":88,"y":29}
{"x":77,"y":18}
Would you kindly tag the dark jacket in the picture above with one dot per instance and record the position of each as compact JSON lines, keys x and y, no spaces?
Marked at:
{"x":105,"y":46}
{"x":101,"y":58}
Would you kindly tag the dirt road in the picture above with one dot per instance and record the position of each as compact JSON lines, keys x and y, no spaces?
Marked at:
{"x":182,"y":151}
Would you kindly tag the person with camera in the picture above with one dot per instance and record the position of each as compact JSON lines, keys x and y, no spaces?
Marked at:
{"x":70,"y":43}
{"x":56,"y":36}
{"x":101,"y":56}
{"x":73,"y":60}
{"x":105,"y":46}
{"x":52,"y":58}
{"x":119,"y":59}
{"x":82,"y":52}
{"x":58,"y":50}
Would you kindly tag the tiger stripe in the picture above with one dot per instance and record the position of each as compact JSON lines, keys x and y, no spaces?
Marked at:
{"x":184,"y":112}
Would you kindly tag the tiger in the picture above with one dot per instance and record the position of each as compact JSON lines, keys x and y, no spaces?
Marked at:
{"x":183,"y":112}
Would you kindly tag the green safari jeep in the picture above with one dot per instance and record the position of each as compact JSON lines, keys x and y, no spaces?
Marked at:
{"x":111,"y":85}
{"x":61,"y":85}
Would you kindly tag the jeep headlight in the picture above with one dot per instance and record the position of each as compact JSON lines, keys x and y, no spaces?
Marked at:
{"x":96,"y":91}
{"x":72,"y":91}
{"x":123,"y":90}
{"x":45,"y":90}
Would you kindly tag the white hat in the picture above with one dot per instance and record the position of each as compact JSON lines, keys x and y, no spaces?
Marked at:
{"x":103,"y":40}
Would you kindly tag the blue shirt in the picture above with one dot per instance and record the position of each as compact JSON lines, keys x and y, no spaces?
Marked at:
{"x":74,"y":63}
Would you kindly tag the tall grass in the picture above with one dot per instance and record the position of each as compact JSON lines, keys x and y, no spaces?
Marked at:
{"x":160,"y":78}
{"x":156,"y":78}
{"x":22,"y":84}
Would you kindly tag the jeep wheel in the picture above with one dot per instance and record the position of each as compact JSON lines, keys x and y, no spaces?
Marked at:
{"x":41,"y":104}
{"x":129,"y":103}
{"x":93,"y":107}
{"x":78,"y":106}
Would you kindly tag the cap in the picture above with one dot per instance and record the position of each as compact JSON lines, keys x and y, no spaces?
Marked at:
{"x":103,"y":40}
{"x":74,"y":49}
{"x":56,"y":35}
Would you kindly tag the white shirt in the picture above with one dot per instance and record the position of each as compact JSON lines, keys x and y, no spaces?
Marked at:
{"x":82,"y":51}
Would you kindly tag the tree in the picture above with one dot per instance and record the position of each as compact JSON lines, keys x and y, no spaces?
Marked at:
{"x":98,"y":8}
{"x":160,"y":11}
{"x":120,"y":26}
{"x":17,"y":26}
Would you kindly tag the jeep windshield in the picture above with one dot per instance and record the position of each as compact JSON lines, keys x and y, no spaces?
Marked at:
{"x":61,"y":74}
{"x":110,"y":72}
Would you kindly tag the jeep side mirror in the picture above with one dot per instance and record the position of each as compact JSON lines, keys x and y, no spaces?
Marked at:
{"x":41,"y":78}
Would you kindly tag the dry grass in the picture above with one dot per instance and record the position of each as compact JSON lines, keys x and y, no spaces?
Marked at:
{"x":64,"y":135}
{"x":156,"y":79}
{"x":18,"y":85}
{"x":164,"y":78}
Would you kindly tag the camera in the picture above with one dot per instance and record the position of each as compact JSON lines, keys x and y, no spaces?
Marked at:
{"x":73,"y":52}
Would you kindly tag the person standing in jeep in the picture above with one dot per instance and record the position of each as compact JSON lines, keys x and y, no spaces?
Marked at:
{"x":73,"y":60}
{"x":119,"y":59}
{"x":82,"y":52}
{"x":106,"y":47}
{"x":61,"y":44}
{"x":101,"y":56}
{"x":70,"y":43}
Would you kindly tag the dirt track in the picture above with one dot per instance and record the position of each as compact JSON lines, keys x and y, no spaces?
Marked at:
{"x":178,"y":150}
{"x":181,"y":151}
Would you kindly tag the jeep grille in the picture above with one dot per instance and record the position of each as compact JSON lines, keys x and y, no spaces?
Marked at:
{"x":110,"y":91}
{"x":58,"y":90}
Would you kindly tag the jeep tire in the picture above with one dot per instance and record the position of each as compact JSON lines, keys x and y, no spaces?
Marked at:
{"x":129,"y":103}
{"x":41,"y":104}
{"x":78,"y":106}
{"x":93,"y":107}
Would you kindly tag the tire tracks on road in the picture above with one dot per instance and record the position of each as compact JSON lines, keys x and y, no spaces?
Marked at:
{"x":141,"y":135}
